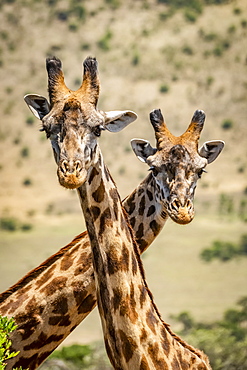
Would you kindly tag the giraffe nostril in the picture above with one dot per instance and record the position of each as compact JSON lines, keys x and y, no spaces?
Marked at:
{"x":175,"y":204}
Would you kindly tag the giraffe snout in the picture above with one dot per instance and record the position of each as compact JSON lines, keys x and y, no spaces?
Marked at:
{"x":181,"y":210}
{"x":71,"y":173}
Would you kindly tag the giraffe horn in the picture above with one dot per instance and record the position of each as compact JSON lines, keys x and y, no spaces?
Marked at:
{"x":192,"y":134}
{"x":56,"y":84}
{"x":162,"y":133}
{"x":90,"y":86}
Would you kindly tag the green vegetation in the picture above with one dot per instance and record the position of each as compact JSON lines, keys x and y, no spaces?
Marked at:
{"x":13,"y":224}
{"x":227,"y":124}
{"x":25,"y":152}
{"x":104,"y":42}
{"x":225,"y":251}
{"x":7,"y":326}
{"x":224,"y":341}
{"x":78,"y":357}
{"x":164,"y":88}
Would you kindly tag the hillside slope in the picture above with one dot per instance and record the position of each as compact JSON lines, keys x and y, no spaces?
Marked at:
{"x":149,"y":57}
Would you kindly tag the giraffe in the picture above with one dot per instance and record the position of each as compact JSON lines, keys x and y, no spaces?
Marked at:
{"x":36,"y":337}
{"x":41,"y":327}
{"x":135,"y":335}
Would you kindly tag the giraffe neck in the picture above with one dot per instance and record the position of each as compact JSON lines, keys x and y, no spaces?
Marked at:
{"x":146,"y":215}
{"x":134,"y":333}
{"x":40,"y":330}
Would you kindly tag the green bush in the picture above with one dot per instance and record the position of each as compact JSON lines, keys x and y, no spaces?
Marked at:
{"x":225,"y":251}
{"x":104,"y":42}
{"x":12,"y":224}
{"x":25,"y":152}
{"x":227,"y":124}
{"x":164,"y":88}
{"x":27,"y":182}
{"x":76,"y":354}
{"x":7,"y":326}
{"x":224,"y":341}
{"x":9,"y":223}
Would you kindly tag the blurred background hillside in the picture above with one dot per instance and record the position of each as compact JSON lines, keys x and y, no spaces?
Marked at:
{"x":175,"y":55}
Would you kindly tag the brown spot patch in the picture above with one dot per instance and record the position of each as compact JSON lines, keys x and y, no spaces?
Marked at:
{"x":46,"y":276}
{"x":132,"y":222}
{"x":117,"y":298}
{"x":143,"y":244}
{"x":144,"y":364}
{"x":134,"y":264}
{"x":143,"y":295}
{"x":93,"y":173}
{"x":128,"y":345}
{"x":60,"y":306}
{"x":98,"y":194}
{"x":63,"y":320}
{"x":165,"y":341}
{"x":56,"y":284}
{"x":150,"y":195}
{"x":144,"y":335}
{"x":105,"y":221}
{"x":95,"y":212}
{"x":142,"y":206}
{"x":159,"y":363}
{"x":155,"y":227}
{"x":151,"y":210}
{"x":151,"y":320}
{"x":66,"y":263}
{"x":140,"y":231}
{"x":87,"y":305}
{"x":129,"y":204}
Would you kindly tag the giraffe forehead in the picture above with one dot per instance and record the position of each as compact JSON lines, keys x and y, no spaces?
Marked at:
{"x":177,"y":156}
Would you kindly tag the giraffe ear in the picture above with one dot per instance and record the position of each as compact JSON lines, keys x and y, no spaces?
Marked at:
{"x":142,"y":149}
{"x":38,"y":105}
{"x":116,"y":121}
{"x":211,"y":149}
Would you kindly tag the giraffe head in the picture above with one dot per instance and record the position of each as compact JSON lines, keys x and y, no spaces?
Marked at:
{"x":72,"y":122}
{"x":177,"y":164}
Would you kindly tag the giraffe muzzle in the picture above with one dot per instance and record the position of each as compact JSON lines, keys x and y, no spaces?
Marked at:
{"x":71,"y":174}
{"x":181,"y":212}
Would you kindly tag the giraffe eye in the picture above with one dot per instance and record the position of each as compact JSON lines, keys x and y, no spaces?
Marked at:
{"x":97,"y":131}
{"x":201,"y":172}
{"x":154,"y":170}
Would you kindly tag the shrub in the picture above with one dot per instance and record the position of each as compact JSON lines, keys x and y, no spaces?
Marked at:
{"x":30,"y":120}
{"x":76,"y":354}
{"x":224,"y":251}
{"x":227,"y":124}
{"x":7,"y":326}
{"x":9,"y":223}
{"x":164,"y":88}
{"x":136,"y":58}
{"x":187,"y":50}
{"x":104,"y":42}
{"x":224,"y":341}
{"x":190,"y":15}
{"x":25,"y":152}
{"x":27,"y":182}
